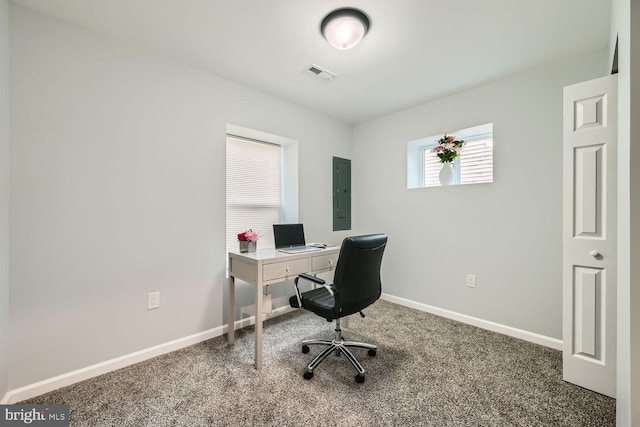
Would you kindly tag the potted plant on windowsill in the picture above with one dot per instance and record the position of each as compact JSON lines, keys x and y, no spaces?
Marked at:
{"x":447,"y":151}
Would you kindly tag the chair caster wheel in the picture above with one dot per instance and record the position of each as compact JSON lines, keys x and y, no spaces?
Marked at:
{"x":309,"y":375}
{"x":359,"y":379}
{"x":372,"y":353}
{"x":305,"y":349}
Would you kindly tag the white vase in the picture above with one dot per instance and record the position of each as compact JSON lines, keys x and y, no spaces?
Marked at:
{"x":446,"y":174}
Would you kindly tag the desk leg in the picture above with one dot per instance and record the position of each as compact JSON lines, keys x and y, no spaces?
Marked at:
{"x":231,"y":312}
{"x":258,"y":326}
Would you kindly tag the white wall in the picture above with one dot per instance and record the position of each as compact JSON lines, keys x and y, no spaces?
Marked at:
{"x":117,"y":189}
{"x":626,"y":26}
{"x":508,"y":233}
{"x":4,"y":194}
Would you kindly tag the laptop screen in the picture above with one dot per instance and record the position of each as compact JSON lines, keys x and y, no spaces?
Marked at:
{"x":288,"y":235}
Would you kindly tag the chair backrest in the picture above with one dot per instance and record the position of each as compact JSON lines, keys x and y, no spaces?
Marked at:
{"x":357,"y":275}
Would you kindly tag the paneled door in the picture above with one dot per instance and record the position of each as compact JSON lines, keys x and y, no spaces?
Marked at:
{"x":589,"y":234}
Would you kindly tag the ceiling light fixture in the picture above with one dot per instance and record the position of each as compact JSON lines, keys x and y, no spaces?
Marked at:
{"x":344,"y":28}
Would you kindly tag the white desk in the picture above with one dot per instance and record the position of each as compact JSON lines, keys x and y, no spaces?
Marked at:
{"x":268,"y":266}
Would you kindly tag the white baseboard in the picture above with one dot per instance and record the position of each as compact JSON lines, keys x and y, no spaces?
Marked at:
{"x":480,"y":323}
{"x":50,"y":384}
{"x":45,"y":386}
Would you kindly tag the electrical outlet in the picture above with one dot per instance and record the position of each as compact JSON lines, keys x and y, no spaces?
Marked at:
{"x":153,"y":300}
{"x":471,"y":280}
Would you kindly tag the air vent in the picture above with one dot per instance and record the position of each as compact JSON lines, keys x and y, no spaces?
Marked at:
{"x":321,"y":73}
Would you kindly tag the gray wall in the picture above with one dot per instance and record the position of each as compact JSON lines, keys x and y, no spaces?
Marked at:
{"x":118,"y":188}
{"x":4,"y":195}
{"x":508,"y":233}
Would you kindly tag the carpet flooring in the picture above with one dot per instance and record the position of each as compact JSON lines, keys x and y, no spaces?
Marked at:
{"x":429,"y":371}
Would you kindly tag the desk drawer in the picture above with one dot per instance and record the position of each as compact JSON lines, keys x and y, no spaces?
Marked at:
{"x":279,"y":270}
{"x":324,"y":262}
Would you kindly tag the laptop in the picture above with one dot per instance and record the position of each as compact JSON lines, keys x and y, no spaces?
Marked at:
{"x":289,"y":238}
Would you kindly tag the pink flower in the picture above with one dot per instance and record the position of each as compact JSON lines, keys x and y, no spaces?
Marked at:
{"x":438,"y":148}
{"x":457,"y":149}
{"x":451,"y":138}
{"x":250,"y":236}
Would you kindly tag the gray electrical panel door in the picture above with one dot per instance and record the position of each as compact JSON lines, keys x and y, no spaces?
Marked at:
{"x":341,"y":194}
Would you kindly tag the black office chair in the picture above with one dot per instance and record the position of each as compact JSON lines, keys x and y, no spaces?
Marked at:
{"x":356,"y":285}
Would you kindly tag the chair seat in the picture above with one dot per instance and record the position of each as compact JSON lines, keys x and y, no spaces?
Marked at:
{"x":318,"y":301}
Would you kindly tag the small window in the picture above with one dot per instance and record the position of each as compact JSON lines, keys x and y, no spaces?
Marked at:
{"x":474,"y":164}
{"x":254,"y":190}
{"x":262,"y":184}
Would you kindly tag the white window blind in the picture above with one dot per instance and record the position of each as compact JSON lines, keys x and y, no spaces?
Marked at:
{"x":476,"y":161}
{"x":432,"y":166}
{"x":254,"y":194}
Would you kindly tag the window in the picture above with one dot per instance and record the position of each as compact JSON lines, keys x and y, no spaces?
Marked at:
{"x":474,"y":164}
{"x":254,"y":193}
{"x":262,"y":184}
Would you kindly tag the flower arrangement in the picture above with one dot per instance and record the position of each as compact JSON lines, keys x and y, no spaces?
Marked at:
{"x":448,"y":148}
{"x":248,"y":236}
{"x":248,"y":241}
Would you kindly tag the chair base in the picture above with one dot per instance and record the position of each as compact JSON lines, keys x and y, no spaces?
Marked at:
{"x":339,"y":346}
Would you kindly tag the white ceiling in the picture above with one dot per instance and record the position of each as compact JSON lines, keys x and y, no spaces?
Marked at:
{"x":416,"y":50}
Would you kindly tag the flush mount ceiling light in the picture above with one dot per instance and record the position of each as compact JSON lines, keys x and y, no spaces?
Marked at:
{"x":344,"y":28}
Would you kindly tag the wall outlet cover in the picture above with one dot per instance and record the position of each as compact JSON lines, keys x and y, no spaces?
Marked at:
{"x":153,"y":300}
{"x":471,"y":280}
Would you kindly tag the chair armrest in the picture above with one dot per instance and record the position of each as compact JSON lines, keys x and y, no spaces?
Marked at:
{"x":311,"y":278}
{"x":314,"y":279}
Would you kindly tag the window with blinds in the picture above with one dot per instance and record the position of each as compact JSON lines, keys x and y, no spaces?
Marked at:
{"x":254,"y":192}
{"x":474,"y":164}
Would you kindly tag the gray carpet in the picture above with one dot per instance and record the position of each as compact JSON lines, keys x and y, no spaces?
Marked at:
{"x":429,"y":371}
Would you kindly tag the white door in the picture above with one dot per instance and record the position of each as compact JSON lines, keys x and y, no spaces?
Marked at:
{"x":589,"y":234}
